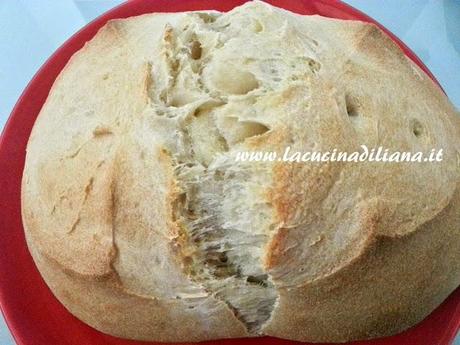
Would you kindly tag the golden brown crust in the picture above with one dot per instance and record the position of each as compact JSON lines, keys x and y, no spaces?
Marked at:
{"x":393,"y":284}
{"x":84,"y":254}
{"x":384,"y":277}
{"x":108,"y":307}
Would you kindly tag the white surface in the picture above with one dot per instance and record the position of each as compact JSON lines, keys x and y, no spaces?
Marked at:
{"x":30,"y":30}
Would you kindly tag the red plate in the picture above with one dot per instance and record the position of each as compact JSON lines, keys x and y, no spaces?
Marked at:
{"x":34,"y":316}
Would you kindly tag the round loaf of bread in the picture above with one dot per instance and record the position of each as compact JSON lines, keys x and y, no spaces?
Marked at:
{"x":145,"y":225}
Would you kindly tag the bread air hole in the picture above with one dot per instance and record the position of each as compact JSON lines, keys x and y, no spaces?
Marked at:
{"x":314,"y":65}
{"x":234,"y":81}
{"x":235,"y":130}
{"x":195,"y":50}
{"x":260,"y":279}
{"x":352,"y":106}
{"x":417,"y":128}
{"x":207,"y":17}
{"x":204,"y":138}
{"x":257,"y":26}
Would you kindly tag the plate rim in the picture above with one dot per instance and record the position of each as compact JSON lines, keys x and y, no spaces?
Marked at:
{"x":76,"y":41}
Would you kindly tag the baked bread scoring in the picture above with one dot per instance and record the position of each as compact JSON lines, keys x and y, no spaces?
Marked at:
{"x":144,"y":226}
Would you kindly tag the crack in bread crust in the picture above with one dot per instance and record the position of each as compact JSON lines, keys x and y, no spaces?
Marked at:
{"x":223,"y":257}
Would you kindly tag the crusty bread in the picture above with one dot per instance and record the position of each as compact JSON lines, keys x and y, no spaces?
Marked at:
{"x":145,"y":227}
